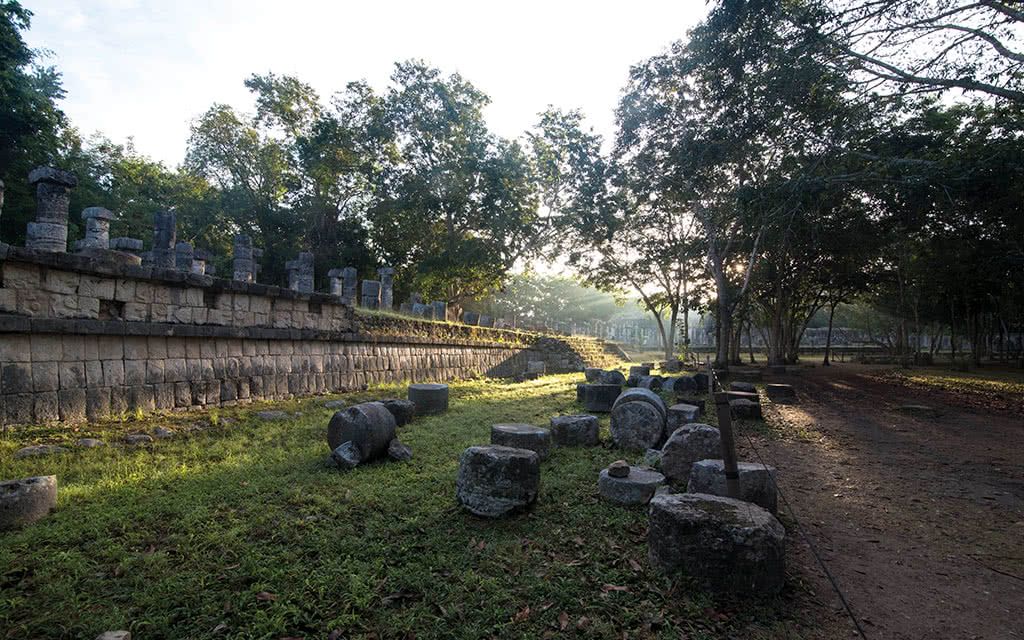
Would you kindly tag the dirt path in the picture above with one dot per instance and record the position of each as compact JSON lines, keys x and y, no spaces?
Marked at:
{"x":920,"y":519}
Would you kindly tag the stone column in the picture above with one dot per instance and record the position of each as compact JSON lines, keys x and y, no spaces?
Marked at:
{"x":199,"y":259}
{"x":440,"y":310}
{"x":300,"y":273}
{"x":387,"y":283}
{"x":97,"y":228}
{"x":335,"y":282}
{"x":49,"y":232}
{"x":183,"y":256}
{"x":244,"y":267}
{"x":371,"y":294}
{"x":165,"y":231}
{"x":349,"y":277}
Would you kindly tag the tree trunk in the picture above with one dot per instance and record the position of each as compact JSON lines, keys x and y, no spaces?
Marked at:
{"x":724,"y":324}
{"x":828,"y":335}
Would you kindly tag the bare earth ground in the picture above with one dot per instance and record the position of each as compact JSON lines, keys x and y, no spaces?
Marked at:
{"x":921,"y":520}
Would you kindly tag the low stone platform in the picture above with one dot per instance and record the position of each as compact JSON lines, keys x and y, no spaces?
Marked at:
{"x":757,"y":482}
{"x":637,"y":487}
{"x":575,"y":431}
{"x":727,"y":545}
{"x":429,"y":398}
{"x":522,"y":436}
{"x":494,"y":481}
{"x":25,"y":501}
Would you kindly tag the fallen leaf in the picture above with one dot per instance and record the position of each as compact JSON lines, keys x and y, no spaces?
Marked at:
{"x":611,"y":587}
{"x":634,"y":565}
{"x":563,"y":620}
{"x":583,"y":623}
{"x":522,"y":614}
{"x":266,"y":596}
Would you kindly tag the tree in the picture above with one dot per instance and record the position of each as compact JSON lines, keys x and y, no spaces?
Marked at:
{"x":458,"y":207}
{"x":915,"y":46}
{"x":31,"y":124}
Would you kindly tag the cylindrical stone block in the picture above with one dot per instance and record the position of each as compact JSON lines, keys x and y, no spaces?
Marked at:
{"x":522,"y":436}
{"x":47,"y":236}
{"x":25,"y":501}
{"x":644,"y":395}
{"x":494,"y":481}
{"x":592,"y":374}
{"x":575,"y":431}
{"x":727,"y":545}
{"x":637,"y":426}
{"x":636,"y":488}
{"x":429,"y":398}
{"x":369,"y":426}
{"x":639,"y":371}
{"x":687,"y":445}
{"x":600,"y":397}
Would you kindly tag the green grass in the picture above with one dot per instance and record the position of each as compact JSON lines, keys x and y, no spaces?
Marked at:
{"x":1004,"y":382}
{"x":241,"y":530}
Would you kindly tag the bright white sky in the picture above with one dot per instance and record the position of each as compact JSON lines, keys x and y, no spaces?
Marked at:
{"x":146,"y":68}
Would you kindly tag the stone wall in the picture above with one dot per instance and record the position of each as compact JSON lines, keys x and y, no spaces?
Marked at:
{"x":86,"y":338}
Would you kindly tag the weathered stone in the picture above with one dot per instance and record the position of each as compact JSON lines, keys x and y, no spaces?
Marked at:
{"x":387,"y":287}
{"x":164,"y":237}
{"x":471,"y":318}
{"x":368,"y":425}
{"x":46,"y":236}
{"x":600,"y":397}
{"x":429,"y":398}
{"x":403,"y":410}
{"x":575,"y":431}
{"x":612,"y":377}
{"x":680,"y":415}
{"x":53,"y":187}
{"x":592,"y":374}
{"x":700,"y":380}
{"x":644,"y":395}
{"x":300,"y":273}
{"x":639,"y":371}
{"x":652,"y":383}
{"x":652,"y":458}
{"x":672,"y":366}
{"x":522,"y":436}
{"x":725,"y":544}
{"x":745,"y":409}
{"x":25,"y":501}
{"x":781,"y":393}
{"x":636,"y":425}
{"x":163,"y":433}
{"x":335,"y":404}
{"x":686,"y":384}
{"x":638,"y":486}
{"x":128,"y":245}
{"x":184,"y":254}
{"x":89,"y":443}
{"x":38,"y":451}
{"x":199,"y":259}
{"x":536,"y":366}
{"x":618,"y":469}
{"x":440,"y":310}
{"x":347,"y":455}
{"x":494,"y":481}
{"x":243,"y":265}
{"x":581,"y":391}
{"x":97,"y":228}
{"x":687,"y":445}
{"x":399,"y":451}
{"x":272,"y":415}
{"x":757,"y":482}
{"x":746,"y":387}
{"x":370,"y":298}
{"x":138,"y":438}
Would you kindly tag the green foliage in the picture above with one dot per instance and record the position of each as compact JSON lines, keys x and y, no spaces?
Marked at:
{"x":531,"y":296}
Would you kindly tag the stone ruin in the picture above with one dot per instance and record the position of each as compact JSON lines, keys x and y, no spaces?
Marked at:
{"x":300,"y":273}
{"x":363,"y":433}
{"x":53,"y":188}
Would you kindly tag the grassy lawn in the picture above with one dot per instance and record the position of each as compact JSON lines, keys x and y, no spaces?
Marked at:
{"x":999,"y":381}
{"x":241,"y":530}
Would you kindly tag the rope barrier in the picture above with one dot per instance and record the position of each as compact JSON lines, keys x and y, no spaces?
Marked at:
{"x":799,"y":527}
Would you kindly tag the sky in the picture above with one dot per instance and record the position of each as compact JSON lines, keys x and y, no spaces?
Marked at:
{"x":146,"y":68}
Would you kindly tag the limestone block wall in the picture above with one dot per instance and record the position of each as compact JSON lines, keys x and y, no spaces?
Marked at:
{"x":85,"y":339}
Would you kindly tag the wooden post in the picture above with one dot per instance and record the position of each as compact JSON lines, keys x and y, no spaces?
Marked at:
{"x":711,"y":375}
{"x":732,"y":474}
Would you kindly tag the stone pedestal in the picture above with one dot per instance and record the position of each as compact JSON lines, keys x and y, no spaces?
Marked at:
{"x":243,"y":265}
{"x":370,"y":298}
{"x":300,"y":273}
{"x":387,"y":284}
{"x":637,"y":487}
{"x":522,"y":436}
{"x":429,"y":398}
{"x":494,"y":481}
{"x":184,"y":255}
{"x":53,"y":187}
{"x":575,"y":431}
{"x":726,"y":545}
{"x":680,"y":415}
{"x":600,"y":397}
{"x":199,"y":260}
{"x":165,"y":225}
{"x":97,"y":228}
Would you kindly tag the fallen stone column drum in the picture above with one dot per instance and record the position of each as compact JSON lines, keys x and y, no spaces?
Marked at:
{"x":600,"y":397}
{"x":369,"y":426}
{"x":726,"y":545}
{"x":522,"y":436}
{"x":637,"y":425}
{"x":687,"y":445}
{"x":429,"y":398}
{"x":25,"y":501}
{"x":644,"y":395}
{"x":494,"y":481}
{"x":757,"y":482}
{"x":637,"y":487}
{"x":575,"y":431}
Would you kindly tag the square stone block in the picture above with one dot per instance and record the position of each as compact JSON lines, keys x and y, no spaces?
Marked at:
{"x":72,"y":405}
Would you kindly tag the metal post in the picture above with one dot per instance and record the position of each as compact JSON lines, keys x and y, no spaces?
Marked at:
{"x":732,"y":474}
